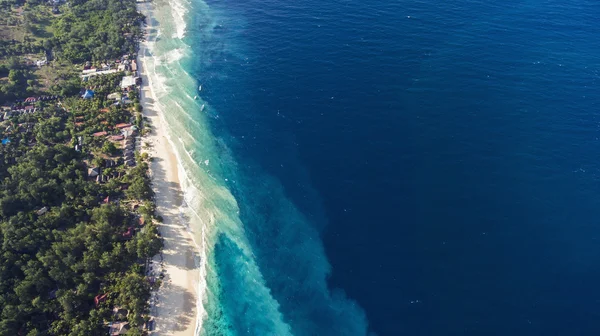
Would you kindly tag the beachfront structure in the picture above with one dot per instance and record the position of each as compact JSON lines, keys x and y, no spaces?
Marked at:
{"x":128,"y":81}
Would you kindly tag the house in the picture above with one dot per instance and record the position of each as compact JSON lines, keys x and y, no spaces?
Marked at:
{"x":77,"y":148}
{"x":100,"y":298}
{"x":89,"y":94}
{"x":104,"y":110}
{"x":122,"y":125}
{"x":5,"y":141}
{"x":79,"y":123}
{"x":118,"y":328}
{"x":116,"y":137}
{"x":42,"y":211}
{"x":133,"y":66}
{"x":128,"y":81}
{"x":93,"y":172}
{"x":129,"y":131}
{"x":106,"y":200}
{"x":99,"y":134}
{"x":114,"y":96}
{"x":89,"y":73}
{"x":129,"y":233}
{"x":126,"y":101}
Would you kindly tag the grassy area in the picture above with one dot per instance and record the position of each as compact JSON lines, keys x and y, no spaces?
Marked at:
{"x":51,"y":74}
{"x":25,"y":24}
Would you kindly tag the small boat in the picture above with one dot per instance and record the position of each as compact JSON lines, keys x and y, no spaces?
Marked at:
{"x":202,"y":108}
{"x":200,"y":88}
{"x":195,"y":97}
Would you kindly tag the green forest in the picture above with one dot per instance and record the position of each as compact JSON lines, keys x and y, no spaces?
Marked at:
{"x":72,"y":249}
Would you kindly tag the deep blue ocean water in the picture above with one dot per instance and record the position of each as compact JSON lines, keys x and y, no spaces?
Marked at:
{"x":446,"y":152}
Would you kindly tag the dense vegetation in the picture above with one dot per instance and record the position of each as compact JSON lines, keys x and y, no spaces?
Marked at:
{"x":97,"y":30}
{"x":65,"y":239}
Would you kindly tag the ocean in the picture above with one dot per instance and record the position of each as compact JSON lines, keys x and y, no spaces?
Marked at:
{"x":399,"y":167}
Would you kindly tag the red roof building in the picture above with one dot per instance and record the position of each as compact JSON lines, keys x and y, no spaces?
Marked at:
{"x":128,"y":233}
{"x":99,"y":134}
{"x":100,"y":298}
{"x":122,"y":125}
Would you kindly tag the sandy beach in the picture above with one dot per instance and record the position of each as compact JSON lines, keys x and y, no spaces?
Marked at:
{"x":174,"y":305}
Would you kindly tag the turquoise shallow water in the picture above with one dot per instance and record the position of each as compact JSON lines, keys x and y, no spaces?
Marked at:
{"x":436,"y":159}
{"x":249,"y":252}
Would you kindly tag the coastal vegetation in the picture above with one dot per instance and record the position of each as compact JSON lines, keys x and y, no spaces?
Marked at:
{"x":77,"y":217}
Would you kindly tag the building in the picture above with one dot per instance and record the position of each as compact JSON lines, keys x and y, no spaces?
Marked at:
{"x":118,"y":328}
{"x":122,"y":125}
{"x":128,"y":81}
{"x":114,"y":96}
{"x":89,"y":94}
{"x":100,"y":298}
{"x":129,"y":233}
{"x":42,"y":211}
{"x":93,"y":172}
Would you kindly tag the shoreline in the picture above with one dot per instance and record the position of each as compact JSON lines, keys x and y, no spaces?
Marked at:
{"x":174,"y":305}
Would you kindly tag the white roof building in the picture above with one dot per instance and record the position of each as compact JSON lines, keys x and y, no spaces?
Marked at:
{"x":127,"y":81}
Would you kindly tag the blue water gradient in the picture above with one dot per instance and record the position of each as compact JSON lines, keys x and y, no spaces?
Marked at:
{"x":437,"y":158}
